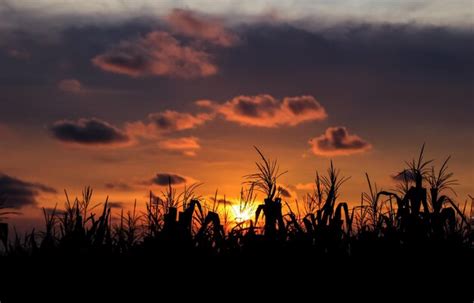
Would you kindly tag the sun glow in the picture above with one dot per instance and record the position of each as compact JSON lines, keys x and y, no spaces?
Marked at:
{"x":242,"y":214}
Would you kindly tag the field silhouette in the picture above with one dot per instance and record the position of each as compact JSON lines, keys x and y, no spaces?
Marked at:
{"x":420,"y":217}
{"x":415,"y":234}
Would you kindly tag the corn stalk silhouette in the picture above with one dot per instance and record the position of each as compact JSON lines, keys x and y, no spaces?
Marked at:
{"x":437,"y":217}
{"x":265,"y":181}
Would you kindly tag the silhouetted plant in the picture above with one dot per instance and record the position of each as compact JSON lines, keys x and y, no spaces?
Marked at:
{"x":4,"y":213}
{"x":265,"y":181}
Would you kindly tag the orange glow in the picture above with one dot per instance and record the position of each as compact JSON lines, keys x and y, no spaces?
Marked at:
{"x":242,"y":214}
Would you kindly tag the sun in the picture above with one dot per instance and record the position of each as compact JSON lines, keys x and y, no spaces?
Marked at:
{"x":242,"y":214}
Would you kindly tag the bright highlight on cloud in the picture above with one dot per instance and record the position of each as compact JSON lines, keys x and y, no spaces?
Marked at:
{"x":166,"y":122}
{"x":188,"y":146}
{"x":158,"y":54}
{"x":256,"y":111}
{"x":212,"y":30}
{"x":267,"y":111}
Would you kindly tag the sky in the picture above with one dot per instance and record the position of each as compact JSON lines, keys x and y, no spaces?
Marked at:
{"x":127,"y":95}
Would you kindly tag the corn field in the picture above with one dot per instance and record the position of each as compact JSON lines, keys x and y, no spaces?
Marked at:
{"x":419,"y":216}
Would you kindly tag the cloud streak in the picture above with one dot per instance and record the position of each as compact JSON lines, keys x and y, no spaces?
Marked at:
{"x":120,"y":186}
{"x":337,"y":141}
{"x":305,"y":186}
{"x":188,"y":146}
{"x":70,"y":86}
{"x":165,"y":179}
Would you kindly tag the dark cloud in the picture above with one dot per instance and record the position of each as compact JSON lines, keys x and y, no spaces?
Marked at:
{"x":88,"y":132}
{"x":165,"y":179}
{"x":18,"y":193}
{"x":337,"y":141}
{"x":405,"y":175}
{"x":116,"y":204}
{"x":285,"y":193}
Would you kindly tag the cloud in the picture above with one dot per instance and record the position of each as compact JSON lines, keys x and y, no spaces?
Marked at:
{"x":286,"y":191}
{"x":56,"y":211}
{"x":164,"y":179}
{"x":70,"y":85}
{"x":18,"y":54}
{"x":166,"y":122}
{"x":89,"y":132}
{"x":57,"y":14}
{"x":204,"y":103}
{"x":18,"y":193}
{"x":267,"y":111}
{"x":337,"y":141}
{"x":188,"y":23}
{"x":405,"y":175}
{"x":174,"y":121}
{"x":157,"y":54}
{"x":305,"y":186}
{"x":116,"y":204}
{"x":222,"y":201}
{"x":185,"y":145}
{"x":121,"y":186}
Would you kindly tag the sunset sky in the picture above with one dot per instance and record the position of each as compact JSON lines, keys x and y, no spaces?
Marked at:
{"x":123,"y":95}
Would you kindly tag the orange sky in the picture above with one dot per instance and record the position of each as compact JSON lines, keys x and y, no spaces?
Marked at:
{"x":120,"y":103}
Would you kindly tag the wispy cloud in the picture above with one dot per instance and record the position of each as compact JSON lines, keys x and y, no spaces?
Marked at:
{"x":305,"y":186}
{"x":70,"y":85}
{"x":188,"y":146}
{"x":18,"y":54}
{"x":120,"y":186}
